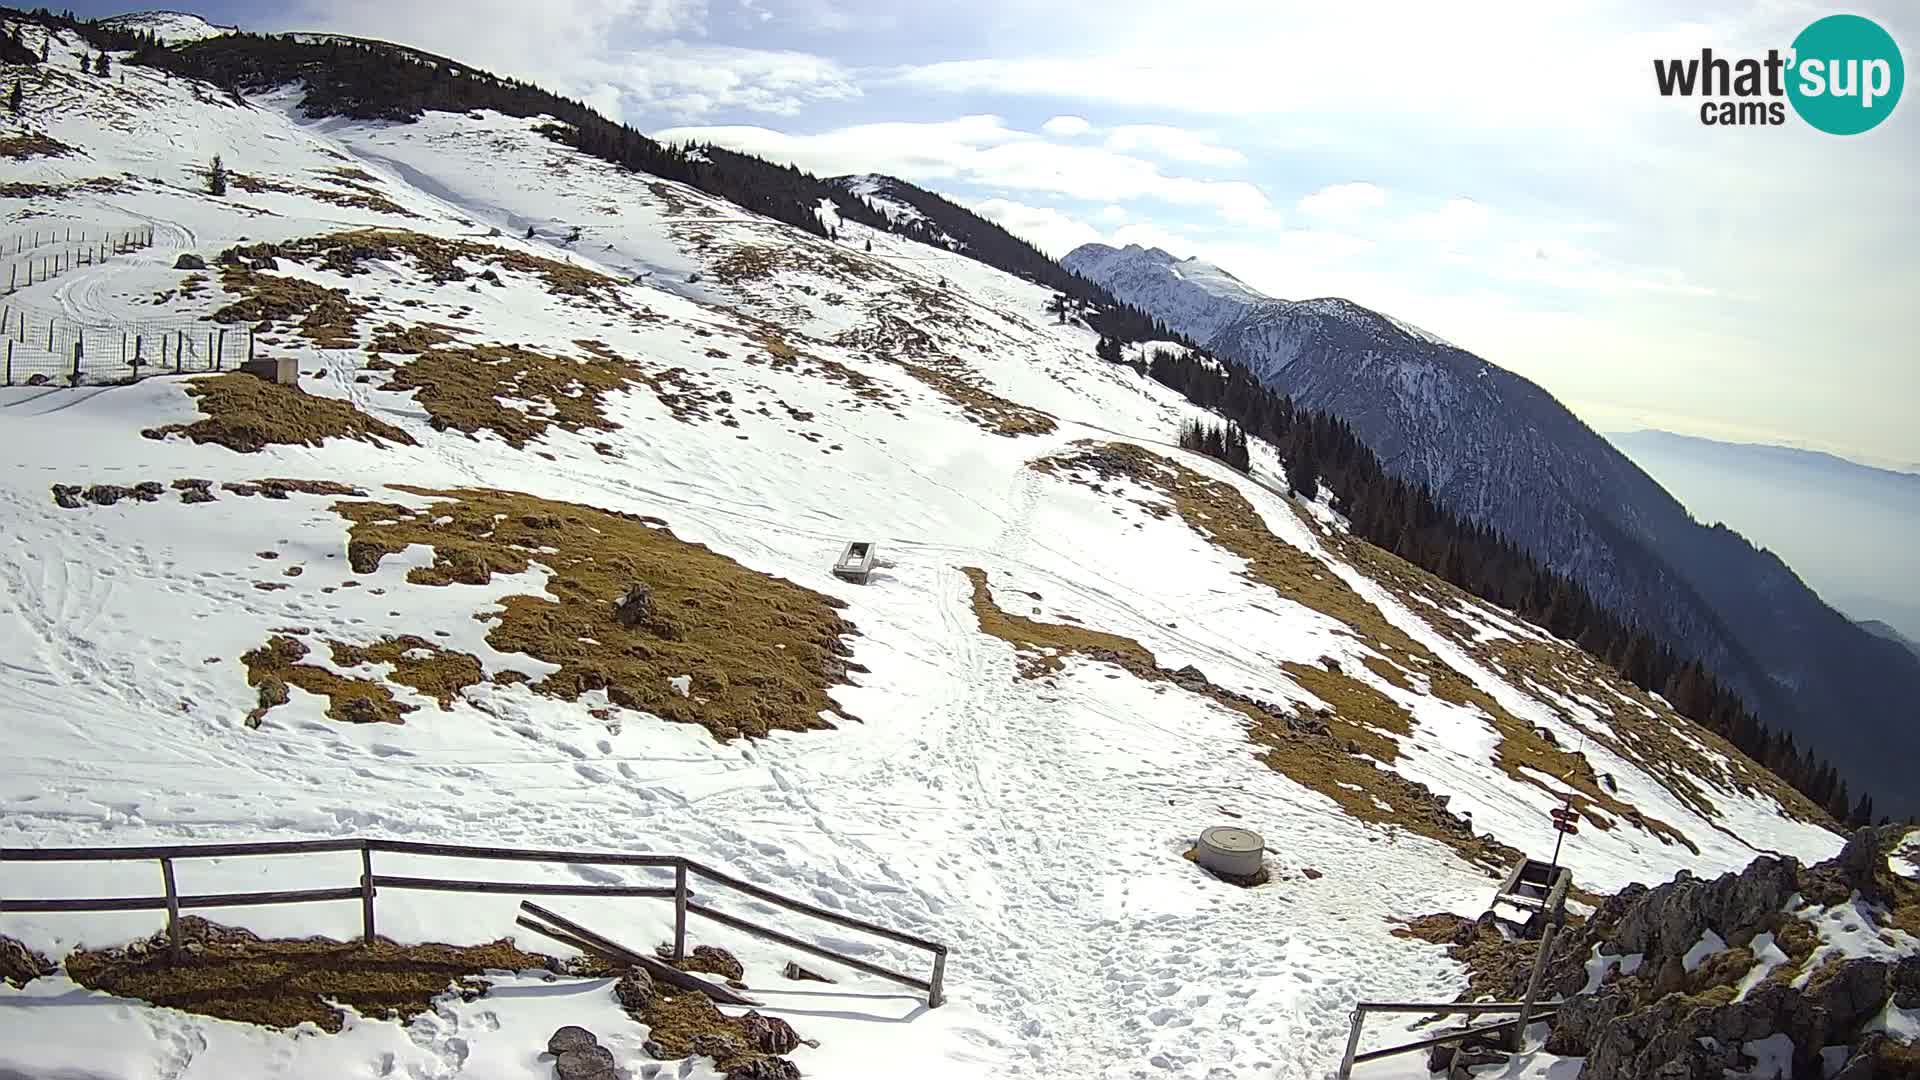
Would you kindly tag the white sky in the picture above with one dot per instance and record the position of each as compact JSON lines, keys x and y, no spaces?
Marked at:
{"x":1504,"y":174}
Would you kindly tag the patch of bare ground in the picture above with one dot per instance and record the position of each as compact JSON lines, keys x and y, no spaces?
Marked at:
{"x":275,"y":666}
{"x":248,"y":414}
{"x":1656,"y":744}
{"x":99,"y":185}
{"x":418,"y":663}
{"x":443,"y":259}
{"x":759,"y":653}
{"x":464,"y":387}
{"x":1318,"y":759}
{"x":28,"y":144}
{"x":783,"y":356}
{"x":359,"y":197}
{"x":328,"y":317}
{"x":1219,"y":512}
{"x":233,"y":974}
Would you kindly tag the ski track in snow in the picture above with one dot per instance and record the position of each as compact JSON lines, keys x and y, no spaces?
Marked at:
{"x":1036,"y":826}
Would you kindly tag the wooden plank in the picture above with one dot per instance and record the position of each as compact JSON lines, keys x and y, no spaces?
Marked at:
{"x":1470,"y":1008}
{"x":807,"y":946}
{"x":1447,"y":1037}
{"x":366,"y":895}
{"x":680,"y":912}
{"x":174,"y":851}
{"x":510,"y":888}
{"x":174,"y":946}
{"x":665,"y":972}
{"x":833,"y":917}
{"x":209,"y":900}
{"x":462,"y":851}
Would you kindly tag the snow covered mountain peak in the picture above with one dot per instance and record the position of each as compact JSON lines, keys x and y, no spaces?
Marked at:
{"x":171,"y":27}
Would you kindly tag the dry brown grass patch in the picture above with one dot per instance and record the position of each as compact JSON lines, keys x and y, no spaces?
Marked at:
{"x":762,"y":652}
{"x":276,"y":665}
{"x":440,"y":258}
{"x":358,"y":196}
{"x":248,"y":414}
{"x":328,"y":317}
{"x":1361,"y":714}
{"x":282,"y":983}
{"x":461,"y":389}
{"x":33,"y":144}
{"x":418,"y":663}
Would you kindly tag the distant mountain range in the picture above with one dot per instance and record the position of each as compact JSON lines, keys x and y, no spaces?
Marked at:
{"x":1500,"y":450}
{"x":1845,"y":527}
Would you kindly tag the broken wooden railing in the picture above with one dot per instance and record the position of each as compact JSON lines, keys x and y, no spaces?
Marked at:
{"x":685,"y":872}
{"x":1525,"y":1012}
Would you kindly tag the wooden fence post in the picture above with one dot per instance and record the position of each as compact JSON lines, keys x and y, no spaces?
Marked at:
{"x":9,"y":361}
{"x":173,"y":911}
{"x":680,"y":910}
{"x":220,"y":350}
{"x":1533,"y":989}
{"x":937,"y":988}
{"x":366,"y":894}
{"x":77,"y":346}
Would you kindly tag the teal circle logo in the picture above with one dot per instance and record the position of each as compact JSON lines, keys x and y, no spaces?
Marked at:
{"x":1846,"y":74}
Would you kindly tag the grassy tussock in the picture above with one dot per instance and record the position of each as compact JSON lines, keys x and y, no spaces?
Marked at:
{"x":283,"y":983}
{"x":1320,"y":762}
{"x":762,"y":652}
{"x":418,"y":663}
{"x":276,"y":665}
{"x":99,"y":185}
{"x":248,"y":414}
{"x":890,"y":339}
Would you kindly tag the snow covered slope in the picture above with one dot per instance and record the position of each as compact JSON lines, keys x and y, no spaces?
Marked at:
{"x":1498,"y":449}
{"x":169,"y":26}
{"x":1082,"y":645}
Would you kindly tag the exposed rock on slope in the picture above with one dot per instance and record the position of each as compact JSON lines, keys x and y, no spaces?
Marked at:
{"x":1694,"y":978}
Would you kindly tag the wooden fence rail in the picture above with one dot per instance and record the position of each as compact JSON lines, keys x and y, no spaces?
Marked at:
{"x":685,"y":873}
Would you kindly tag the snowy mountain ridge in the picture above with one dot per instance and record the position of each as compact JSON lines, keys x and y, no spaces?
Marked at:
{"x":1498,"y":449}
{"x":538,"y":555}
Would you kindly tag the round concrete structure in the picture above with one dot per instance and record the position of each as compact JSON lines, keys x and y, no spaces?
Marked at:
{"x":1225,"y":849}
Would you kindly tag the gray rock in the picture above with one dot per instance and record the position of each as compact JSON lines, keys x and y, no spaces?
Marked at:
{"x":67,"y":496}
{"x":766,"y":1068}
{"x":571,"y":1037}
{"x":636,"y":607}
{"x":635,"y":990}
{"x":769,"y":1034}
{"x":189,"y":261}
{"x":584,"y":1063}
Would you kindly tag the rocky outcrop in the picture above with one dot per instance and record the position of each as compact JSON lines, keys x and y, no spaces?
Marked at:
{"x":1664,"y":1020}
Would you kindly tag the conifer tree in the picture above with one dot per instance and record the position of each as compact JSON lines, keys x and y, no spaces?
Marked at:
{"x":13,"y":99}
{"x":103,"y":67}
{"x":217,"y":177}
{"x":86,"y":64}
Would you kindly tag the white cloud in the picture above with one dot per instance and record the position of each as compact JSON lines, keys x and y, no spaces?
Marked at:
{"x":1172,"y":144}
{"x":1457,"y":222}
{"x":1343,"y":200}
{"x":1111,"y":214}
{"x":1066,"y":127}
{"x":984,"y":152}
{"x":694,"y":81}
{"x":1044,"y":227}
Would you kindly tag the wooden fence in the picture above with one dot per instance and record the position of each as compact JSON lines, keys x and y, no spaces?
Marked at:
{"x":685,"y":870}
